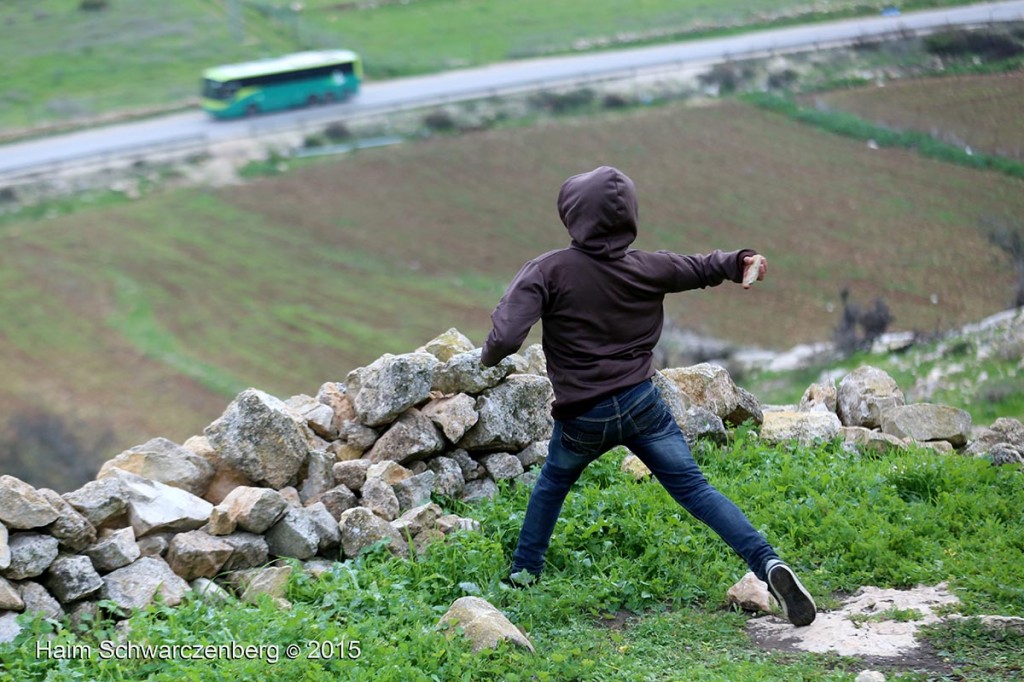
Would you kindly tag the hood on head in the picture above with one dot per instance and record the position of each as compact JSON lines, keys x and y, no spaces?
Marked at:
{"x":599,"y":209}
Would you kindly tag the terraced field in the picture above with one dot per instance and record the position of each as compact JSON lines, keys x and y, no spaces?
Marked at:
{"x":980,"y":112}
{"x":142,"y":319}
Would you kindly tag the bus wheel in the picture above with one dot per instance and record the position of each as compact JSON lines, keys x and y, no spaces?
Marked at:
{"x":252,"y":110}
{"x":329,"y":97}
{"x":312,"y":101}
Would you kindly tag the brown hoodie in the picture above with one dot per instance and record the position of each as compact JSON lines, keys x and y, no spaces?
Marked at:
{"x":599,"y":301}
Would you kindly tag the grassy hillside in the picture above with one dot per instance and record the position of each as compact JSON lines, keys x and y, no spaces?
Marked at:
{"x":65,"y":63}
{"x":131,"y":320}
{"x":634,"y":588}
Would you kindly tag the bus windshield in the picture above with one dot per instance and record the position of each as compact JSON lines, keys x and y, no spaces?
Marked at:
{"x":218,"y":90}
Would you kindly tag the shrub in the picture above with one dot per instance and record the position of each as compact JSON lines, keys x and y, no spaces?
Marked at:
{"x":439,"y":121}
{"x":337,"y":132}
{"x":563,"y":102}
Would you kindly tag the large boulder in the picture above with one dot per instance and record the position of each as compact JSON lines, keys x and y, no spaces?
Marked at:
{"x":864,"y":394}
{"x":411,"y":438}
{"x":294,"y":535}
{"x":482,"y":623}
{"x":821,"y":397}
{"x":700,"y":423}
{"x":513,"y":414}
{"x":197,"y":555}
{"x":114,"y":549}
{"x":389,"y":386}
{"x":928,"y":422}
{"x":22,"y":506}
{"x":261,"y":437}
{"x":706,"y":385}
{"x":162,"y":460}
{"x":253,"y":509}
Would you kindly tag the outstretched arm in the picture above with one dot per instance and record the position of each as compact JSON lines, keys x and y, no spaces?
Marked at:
{"x":754,"y":269}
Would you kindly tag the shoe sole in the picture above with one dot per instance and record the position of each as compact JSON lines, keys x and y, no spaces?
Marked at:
{"x":796,"y":602}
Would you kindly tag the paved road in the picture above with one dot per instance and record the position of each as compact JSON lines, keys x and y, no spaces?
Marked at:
{"x":469,"y":83}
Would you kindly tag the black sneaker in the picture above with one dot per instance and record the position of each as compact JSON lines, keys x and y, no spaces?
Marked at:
{"x":520,"y":577}
{"x":793,"y":597}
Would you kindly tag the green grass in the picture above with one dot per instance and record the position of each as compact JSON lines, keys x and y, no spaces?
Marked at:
{"x":63,"y":63}
{"x":842,"y":520}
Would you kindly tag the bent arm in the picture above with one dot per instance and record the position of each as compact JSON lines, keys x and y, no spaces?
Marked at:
{"x":517,"y":311}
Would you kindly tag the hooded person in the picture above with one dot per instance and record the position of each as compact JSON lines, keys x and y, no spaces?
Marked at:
{"x":600,"y":304}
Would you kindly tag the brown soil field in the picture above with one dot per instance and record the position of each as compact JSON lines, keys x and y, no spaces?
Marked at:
{"x":142,"y":319}
{"x":983,"y":112}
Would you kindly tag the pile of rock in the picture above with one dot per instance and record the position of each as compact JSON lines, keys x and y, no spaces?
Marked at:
{"x":322,"y":478}
{"x":308,"y":478}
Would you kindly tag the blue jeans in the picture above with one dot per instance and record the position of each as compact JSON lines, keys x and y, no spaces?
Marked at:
{"x":638,"y":418}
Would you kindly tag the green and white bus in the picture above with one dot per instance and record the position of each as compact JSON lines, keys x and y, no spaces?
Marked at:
{"x":294,"y":80}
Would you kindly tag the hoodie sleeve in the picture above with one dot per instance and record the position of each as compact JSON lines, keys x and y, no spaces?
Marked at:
{"x":517,"y":311}
{"x":706,"y":270}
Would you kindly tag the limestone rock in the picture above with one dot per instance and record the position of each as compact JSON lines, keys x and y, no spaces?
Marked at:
{"x":360,"y":528}
{"x":254,"y":509}
{"x":536,"y":363}
{"x":114,"y":549}
{"x":10,"y":597}
{"x":319,"y":474}
{"x":805,"y":427}
{"x":197,"y":555}
{"x":449,"y":344}
{"x":471,"y":469}
{"x":72,"y":577}
{"x":861,"y":439}
{"x":450,"y":523}
{"x":294,"y":535}
{"x":336,"y":500}
{"x":534,"y":454}
{"x":38,"y":600}
{"x":415,"y":490}
{"x":162,"y":460}
{"x":9,"y":628}
{"x":413,"y":436}
{"x":250,"y":584}
{"x":318,"y":416}
{"x":870,"y":676}
{"x":155,"y":507}
{"x":927,"y":422}
{"x":22,"y":506}
{"x":31,"y":554}
{"x":449,"y":481}
{"x":633,"y":466}
{"x":676,"y":401}
{"x":5,"y":548}
{"x":390,"y":385}
{"x":750,"y":594}
{"x":352,"y":473}
{"x":261,"y":437}
{"x":248,"y":550}
{"x":701,"y":423}
{"x":359,"y":437}
{"x":102,"y":502}
{"x":380,"y":498}
{"x":389,"y":471}
{"x":72,"y":529}
{"x":821,"y":397}
{"x":748,"y":408}
{"x":226,"y":477}
{"x":480,"y":489}
{"x":137,"y":584}
{"x":454,"y":415}
{"x":418,"y":519}
{"x":513,"y":414}
{"x":1002,"y":442}
{"x":483,"y":624}
{"x":154,"y":545}
{"x":334,"y":395}
{"x":210,"y":592}
{"x":327,"y":530}
{"x":864,"y":395}
{"x":502,"y":465}
{"x":463,"y":373}
{"x":706,"y":385}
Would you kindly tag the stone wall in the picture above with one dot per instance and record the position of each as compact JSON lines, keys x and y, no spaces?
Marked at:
{"x":321,"y":478}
